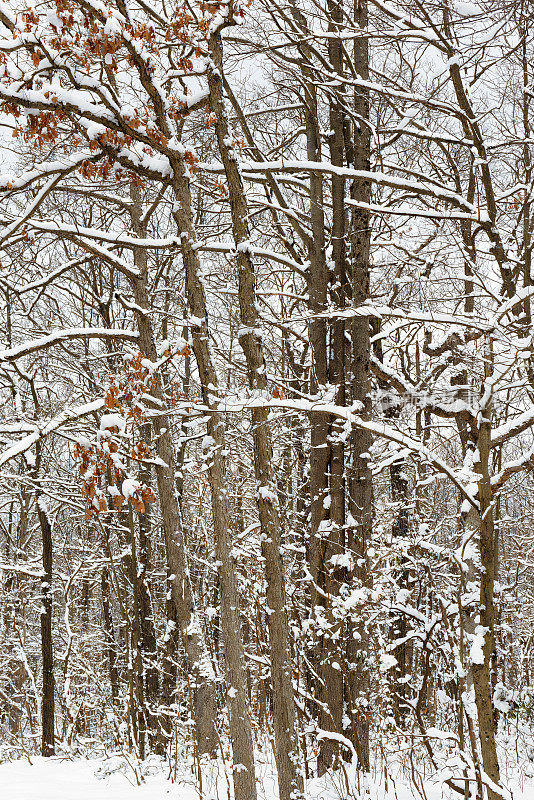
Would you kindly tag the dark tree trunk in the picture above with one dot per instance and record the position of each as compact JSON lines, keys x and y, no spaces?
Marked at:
{"x":47,"y":707}
{"x":111,"y":645}
{"x":360,"y":479}
{"x":400,"y":627}
{"x":147,"y":640}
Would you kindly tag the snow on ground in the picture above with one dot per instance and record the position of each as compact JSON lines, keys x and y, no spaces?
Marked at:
{"x":58,"y":779}
{"x":111,"y":779}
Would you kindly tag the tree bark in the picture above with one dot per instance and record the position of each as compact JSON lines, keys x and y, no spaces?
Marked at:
{"x":111,"y":645}
{"x":47,"y":705}
{"x":290,"y":782}
{"x":198,"y":660}
{"x":240,"y":721}
{"x":482,"y":671}
{"x":360,"y":479}
{"x":147,"y":637}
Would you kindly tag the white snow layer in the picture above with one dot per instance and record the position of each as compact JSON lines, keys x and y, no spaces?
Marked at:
{"x":103,"y":779}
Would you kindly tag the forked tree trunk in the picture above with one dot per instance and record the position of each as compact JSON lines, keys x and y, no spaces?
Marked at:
{"x":290,"y":782}
{"x":240,"y":720}
{"x":199,"y":665}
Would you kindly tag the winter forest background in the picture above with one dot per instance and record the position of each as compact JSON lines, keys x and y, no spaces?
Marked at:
{"x":267,"y":394}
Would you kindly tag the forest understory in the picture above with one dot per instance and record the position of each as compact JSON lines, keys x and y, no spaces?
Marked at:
{"x":266,"y":399}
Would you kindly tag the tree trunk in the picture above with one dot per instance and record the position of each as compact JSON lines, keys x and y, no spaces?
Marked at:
{"x":360,"y":479}
{"x":482,"y":670}
{"x":198,"y":660}
{"x":147,"y":638}
{"x":286,"y":743}
{"x":400,"y":626}
{"x":240,"y":721}
{"x":326,"y":460}
{"x":135,"y":662}
{"x":111,"y":645}
{"x":47,"y":706}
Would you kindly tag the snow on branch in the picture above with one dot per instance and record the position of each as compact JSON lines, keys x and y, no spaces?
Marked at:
{"x":44,"y":342}
{"x":43,"y":430}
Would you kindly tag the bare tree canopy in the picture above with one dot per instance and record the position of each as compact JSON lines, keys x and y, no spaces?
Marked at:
{"x":267,"y":382}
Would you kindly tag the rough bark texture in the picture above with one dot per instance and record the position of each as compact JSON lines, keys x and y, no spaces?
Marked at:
{"x":147,"y":638}
{"x":202,"y":678}
{"x":286,"y":743}
{"x":339,"y":352}
{"x":360,"y":479}
{"x":481,"y":672}
{"x":328,"y":356}
{"x":47,"y":704}
{"x":111,"y":645}
{"x":135,"y":664}
{"x":241,"y":727}
{"x":400,"y":627}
